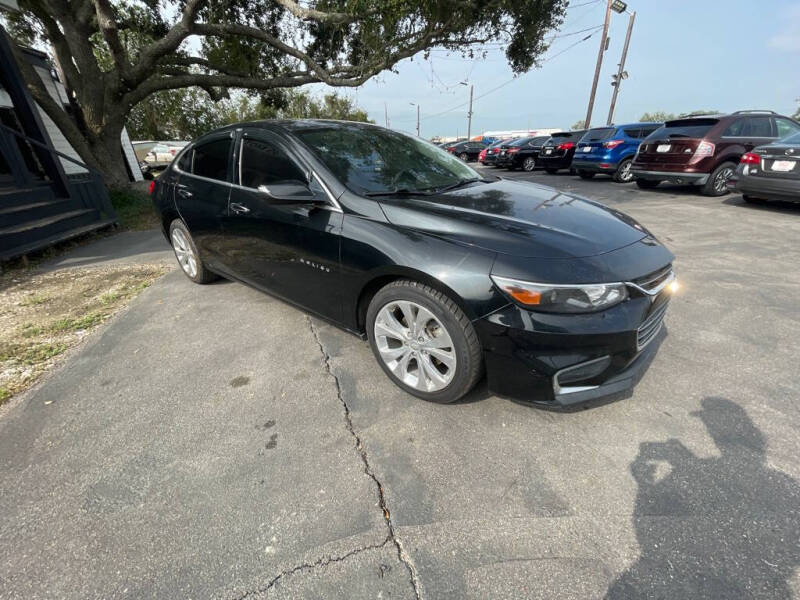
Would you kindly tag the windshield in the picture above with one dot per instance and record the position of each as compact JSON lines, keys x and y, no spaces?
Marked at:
{"x":371,"y":160}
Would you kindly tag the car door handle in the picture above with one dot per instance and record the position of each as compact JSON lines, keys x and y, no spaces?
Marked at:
{"x":185,"y":193}
{"x":239,"y":209}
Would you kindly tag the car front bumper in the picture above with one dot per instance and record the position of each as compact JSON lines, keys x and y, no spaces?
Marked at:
{"x":563,"y":360}
{"x":678,"y":177}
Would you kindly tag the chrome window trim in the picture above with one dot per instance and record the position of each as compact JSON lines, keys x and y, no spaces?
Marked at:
{"x":334,"y":205}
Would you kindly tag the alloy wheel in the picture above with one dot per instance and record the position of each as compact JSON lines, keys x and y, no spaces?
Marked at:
{"x":184,"y":252}
{"x":529,"y":164}
{"x":625,"y":174}
{"x":463,"y":156}
{"x":415,"y":346}
{"x":721,"y":180}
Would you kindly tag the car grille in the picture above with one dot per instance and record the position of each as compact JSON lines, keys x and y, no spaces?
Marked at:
{"x":651,"y":326}
{"x":652,"y":280}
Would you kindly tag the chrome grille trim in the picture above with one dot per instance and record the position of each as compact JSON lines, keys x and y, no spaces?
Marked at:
{"x":651,"y":326}
{"x":652,"y":284}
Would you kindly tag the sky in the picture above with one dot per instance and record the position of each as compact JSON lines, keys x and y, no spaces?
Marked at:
{"x":720,"y":55}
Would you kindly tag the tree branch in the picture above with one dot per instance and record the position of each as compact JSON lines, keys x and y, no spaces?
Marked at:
{"x":169,"y":43}
{"x":310,"y":14}
{"x":106,"y":20}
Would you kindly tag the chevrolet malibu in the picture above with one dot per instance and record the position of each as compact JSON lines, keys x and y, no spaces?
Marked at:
{"x":449,"y":276}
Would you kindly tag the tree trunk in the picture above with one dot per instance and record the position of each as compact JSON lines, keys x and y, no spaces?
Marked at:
{"x":106,"y":150}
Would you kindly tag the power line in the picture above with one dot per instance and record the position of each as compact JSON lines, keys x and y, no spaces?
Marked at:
{"x":512,"y":80}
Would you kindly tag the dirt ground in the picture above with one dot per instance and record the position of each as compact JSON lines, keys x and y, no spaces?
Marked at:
{"x":44,"y":314}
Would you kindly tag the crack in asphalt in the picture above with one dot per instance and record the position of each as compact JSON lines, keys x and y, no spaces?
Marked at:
{"x":401,"y":552}
{"x":322,"y":562}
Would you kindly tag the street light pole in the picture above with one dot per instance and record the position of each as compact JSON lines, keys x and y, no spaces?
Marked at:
{"x":621,"y":71}
{"x":469,"y":114}
{"x":417,"y":105}
{"x":587,"y":123}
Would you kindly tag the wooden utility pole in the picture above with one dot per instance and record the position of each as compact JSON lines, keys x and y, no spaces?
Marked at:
{"x":621,"y":70}
{"x":588,"y":121}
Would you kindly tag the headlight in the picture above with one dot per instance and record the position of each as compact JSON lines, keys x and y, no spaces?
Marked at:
{"x":549,"y":297}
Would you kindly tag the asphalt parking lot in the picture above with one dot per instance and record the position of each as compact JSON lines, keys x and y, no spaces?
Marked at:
{"x":213,"y":442}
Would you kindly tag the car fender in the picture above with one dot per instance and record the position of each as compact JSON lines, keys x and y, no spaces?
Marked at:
{"x":373,"y":253}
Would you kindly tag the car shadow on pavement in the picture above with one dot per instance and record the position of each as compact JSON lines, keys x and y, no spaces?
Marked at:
{"x":721,"y":527}
{"x":764,"y":205}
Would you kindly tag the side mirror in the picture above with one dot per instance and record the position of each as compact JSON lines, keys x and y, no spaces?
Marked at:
{"x":290,"y":191}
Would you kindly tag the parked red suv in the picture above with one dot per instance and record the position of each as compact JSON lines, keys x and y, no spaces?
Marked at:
{"x":705,"y":150}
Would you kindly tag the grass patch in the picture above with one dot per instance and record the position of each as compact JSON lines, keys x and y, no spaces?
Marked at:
{"x":134,"y":207}
{"x":70,"y":324}
{"x":35,"y":300}
{"x":43,"y":314}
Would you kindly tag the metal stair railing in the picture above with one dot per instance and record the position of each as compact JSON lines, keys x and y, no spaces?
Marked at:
{"x":96,"y":176}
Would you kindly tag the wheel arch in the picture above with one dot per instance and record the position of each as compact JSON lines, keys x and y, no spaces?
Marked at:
{"x":397,"y":272}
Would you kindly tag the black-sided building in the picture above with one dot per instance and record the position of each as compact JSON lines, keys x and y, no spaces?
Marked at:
{"x":47,"y":194}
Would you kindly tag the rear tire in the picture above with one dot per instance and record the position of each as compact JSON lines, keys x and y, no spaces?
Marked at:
{"x":529,"y":164}
{"x":438,"y":325}
{"x":717,"y":184}
{"x":187,"y":255}
{"x":647,"y":184}
{"x":464,"y":156}
{"x":551,"y":171}
{"x":623,"y":173}
{"x":585,"y":174}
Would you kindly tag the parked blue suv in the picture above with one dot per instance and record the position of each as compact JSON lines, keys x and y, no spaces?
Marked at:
{"x":610,"y":150}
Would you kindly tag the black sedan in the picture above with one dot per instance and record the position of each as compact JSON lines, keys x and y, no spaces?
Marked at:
{"x":770,"y":172}
{"x":522,"y":153}
{"x":558,"y":151}
{"x":466,"y":151}
{"x":448,"y":275}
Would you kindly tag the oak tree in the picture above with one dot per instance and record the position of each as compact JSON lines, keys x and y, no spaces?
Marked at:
{"x":115,"y":54}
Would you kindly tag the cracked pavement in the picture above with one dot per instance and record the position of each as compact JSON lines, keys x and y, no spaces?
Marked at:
{"x":213,"y":442}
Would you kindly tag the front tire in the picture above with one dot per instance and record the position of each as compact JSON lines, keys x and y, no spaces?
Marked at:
{"x":717,"y":184}
{"x":423,"y":341}
{"x":464,"y":156}
{"x":187,"y":255}
{"x":529,"y":164}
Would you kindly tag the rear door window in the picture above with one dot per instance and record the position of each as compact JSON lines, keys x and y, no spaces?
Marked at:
{"x":759,"y":127}
{"x":211,"y":159}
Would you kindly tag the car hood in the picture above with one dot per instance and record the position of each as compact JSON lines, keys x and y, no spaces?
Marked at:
{"x":519,"y":219}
